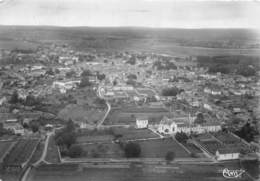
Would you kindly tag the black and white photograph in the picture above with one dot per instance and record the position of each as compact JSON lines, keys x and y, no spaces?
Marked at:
{"x":129,"y":90}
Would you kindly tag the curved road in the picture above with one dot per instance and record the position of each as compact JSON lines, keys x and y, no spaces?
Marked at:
{"x":104,"y":118}
{"x":108,"y":108}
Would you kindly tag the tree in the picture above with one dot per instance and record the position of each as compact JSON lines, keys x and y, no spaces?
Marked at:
{"x":131,"y":82}
{"x":68,"y":139}
{"x":14,"y":98}
{"x":86,"y":73}
{"x":247,"y":132}
{"x":50,"y":72}
{"x":75,"y":151}
{"x":173,"y":91}
{"x":85,"y":82}
{"x":31,"y":101}
{"x":170,"y":155}
{"x":132,"y":150}
{"x":246,"y":71}
{"x":100,"y":101}
{"x":101,"y":76}
{"x":115,"y":82}
{"x":199,"y":119}
{"x":70,"y":74}
{"x":34,"y":126}
{"x":70,"y":126}
{"x":132,"y":76}
{"x":181,"y":137}
{"x":132,"y":61}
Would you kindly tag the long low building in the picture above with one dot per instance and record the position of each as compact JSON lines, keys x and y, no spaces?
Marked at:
{"x":185,"y":125}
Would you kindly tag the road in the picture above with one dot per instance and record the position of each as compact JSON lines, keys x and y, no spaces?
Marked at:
{"x":45,"y":150}
{"x":153,"y":161}
{"x":108,"y":109}
{"x":42,"y":159}
{"x":104,"y":118}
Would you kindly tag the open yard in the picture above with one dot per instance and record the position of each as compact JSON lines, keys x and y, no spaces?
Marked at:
{"x":158,"y":148}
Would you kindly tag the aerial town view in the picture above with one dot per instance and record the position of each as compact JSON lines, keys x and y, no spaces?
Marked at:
{"x":128,"y":103}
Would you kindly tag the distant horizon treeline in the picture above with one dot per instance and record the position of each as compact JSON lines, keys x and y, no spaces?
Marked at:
{"x":238,"y":64}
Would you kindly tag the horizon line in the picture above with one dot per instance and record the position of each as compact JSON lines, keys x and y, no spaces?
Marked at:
{"x":148,"y":27}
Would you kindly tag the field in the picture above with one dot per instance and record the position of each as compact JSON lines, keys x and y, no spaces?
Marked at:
{"x":80,"y":113}
{"x":21,"y":152}
{"x":158,"y":148}
{"x":127,"y":116}
{"x":94,"y":138}
{"x":14,"y":44}
{"x":165,"y":41}
{"x":102,"y":150}
{"x":38,"y":153}
{"x":145,"y":173}
{"x":192,"y":148}
{"x":132,"y":134}
{"x":4,"y":147}
{"x":85,"y":107}
{"x":52,"y":152}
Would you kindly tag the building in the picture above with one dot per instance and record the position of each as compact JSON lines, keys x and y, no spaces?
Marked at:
{"x":185,"y":125}
{"x":141,"y":122}
{"x":227,"y":154}
{"x":83,"y":125}
{"x":14,"y":126}
{"x":63,"y":86}
{"x":167,"y":126}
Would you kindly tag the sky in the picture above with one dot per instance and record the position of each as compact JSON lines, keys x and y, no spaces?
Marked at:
{"x":144,"y":13}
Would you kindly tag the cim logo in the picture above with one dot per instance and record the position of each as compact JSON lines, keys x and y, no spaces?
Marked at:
{"x":232,"y":173}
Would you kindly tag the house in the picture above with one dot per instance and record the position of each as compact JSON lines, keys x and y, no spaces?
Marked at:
{"x":216,"y":92}
{"x":237,"y":110}
{"x":83,"y":125}
{"x":207,"y":106}
{"x":49,"y":127}
{"x":141,"y":122}
{"x":92,"y":78}
{"x":37,"y":67}
{"x":227,"y":154}
{"x":14,"y":126}
{"x":65,"y":85}
{"x":212,"y":91}
{"x":167,"y":126}
{"x":123,"y":88}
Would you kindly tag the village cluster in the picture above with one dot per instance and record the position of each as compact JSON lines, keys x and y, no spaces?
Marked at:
{"x":162,"y":103}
